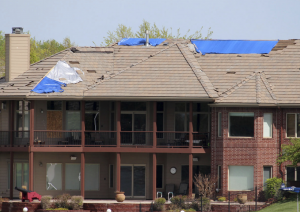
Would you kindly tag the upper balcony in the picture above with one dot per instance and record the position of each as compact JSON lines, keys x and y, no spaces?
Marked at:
{"x":105,"y":124}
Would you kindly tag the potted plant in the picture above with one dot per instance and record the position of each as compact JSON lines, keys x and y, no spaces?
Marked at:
{"x":242,"y":198}
{"x":120,"y":196}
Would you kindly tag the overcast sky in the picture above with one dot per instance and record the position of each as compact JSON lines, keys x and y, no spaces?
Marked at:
{"x":85,"y":21}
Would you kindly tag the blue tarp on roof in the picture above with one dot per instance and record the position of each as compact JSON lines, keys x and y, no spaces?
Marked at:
{"x":233,"y":46}
{"x":140,"y":41}
{"x":48,"y":85}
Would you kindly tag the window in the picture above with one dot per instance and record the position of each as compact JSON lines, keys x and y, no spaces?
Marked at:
{"x":112,"y":125}
{"x":160,"y":118}
{"x":292,"y":174}
{"x":92,"y":116}
{"x":219,"y":177}
{"x":92,"y":177}
{"x":54,"y":105}
{"x":22,"y":119}
{"x":73,"y":115}
{"x":159,"y":176}
{"x":54,"y":176}
{"x":293,"y":125}
{"x":241,"y":124}
{"x":240,"y":178}
{"x":72,"y":176}
{"x":21,"y":174}
{"x":196,"y":170}
{"x":111,"y":176}
{"x":54,"y":118}
{"x":133,"y":106}
{"x":219,"y":124}
{"x":200,"y":117}
{"x":267,"y":173}
{"x":182,"y":116}
{"x":268,"y":122}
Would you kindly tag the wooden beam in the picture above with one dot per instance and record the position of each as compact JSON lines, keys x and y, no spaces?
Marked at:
{"x":31,"y":171}
{"x":118,"y":171}
{"x":31,"y":125}
{"x":190,"y":175}
{"x":154,"y":125}
{"x":11,"y":179}
{"x":82,"y":171}
{"x":118,"y":104}
{"x":191,"y":125}
{"x":154,"y":176}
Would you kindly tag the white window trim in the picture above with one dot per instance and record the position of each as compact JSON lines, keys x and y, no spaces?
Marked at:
{"x":240,"y":136}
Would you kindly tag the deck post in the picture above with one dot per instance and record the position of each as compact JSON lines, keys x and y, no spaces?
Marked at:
{"x":154,"y":125}
{"x":31,"y":170}
{"x":82,"y":171}
{"x":191,"y":125}
{"x":11,"y":178}
{"x":31,"y":125}
{"x":118,"y":123}
{"x":82,"y":123}
{"x":190,"y":175}
{"x":154,"y":176}
{"x":118,"y":171}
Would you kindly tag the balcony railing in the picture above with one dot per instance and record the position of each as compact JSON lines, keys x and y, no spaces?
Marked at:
{"x":61,"y":138}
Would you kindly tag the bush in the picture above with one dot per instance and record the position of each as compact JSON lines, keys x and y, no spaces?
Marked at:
{"x":178,"y":202}
{"x":184,"y":203}
{"x":62,"y":201}
{"x":159,"y":204}
{"x":58,"y":209}
{"x":222,"y":199}
{"x":76,"y":202}
{"x":272,"y":186}
{"x":46,"y":202}
{"x":196,"y":204}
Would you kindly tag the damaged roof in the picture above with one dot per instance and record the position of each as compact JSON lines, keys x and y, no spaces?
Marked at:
{"x":171,"y":70}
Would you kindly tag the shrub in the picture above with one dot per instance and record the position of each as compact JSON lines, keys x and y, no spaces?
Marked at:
{"x":179,"y":202}
{"x":222,"y":199}
{"x":206,"y":184}
{"x":184,"y":203}
{"x":159,"y":204}
{"x":46,"y":202}
{"x":62,"y":201}
{"x":272,"y":186}
{"x":58,"y":209}
{"x":76,"y":202}
{"x":196,"y":204}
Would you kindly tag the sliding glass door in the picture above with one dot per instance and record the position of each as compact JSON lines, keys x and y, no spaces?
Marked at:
{"x":133,"y":121}
{"x":133,"y":180}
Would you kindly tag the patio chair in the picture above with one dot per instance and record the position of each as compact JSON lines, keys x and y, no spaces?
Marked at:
{"x":169,"y":188}
{"x":183,"y":187}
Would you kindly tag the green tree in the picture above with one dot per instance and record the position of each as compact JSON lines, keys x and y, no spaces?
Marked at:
{"x":290,"y":152}
{"x":2,"y":52}
{"x":154,"y":32}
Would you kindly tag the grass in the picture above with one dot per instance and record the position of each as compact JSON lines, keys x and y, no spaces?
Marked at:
{"x":287,"y":205}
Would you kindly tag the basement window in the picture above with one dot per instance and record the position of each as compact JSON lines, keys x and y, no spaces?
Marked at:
{"x":241,"y":124}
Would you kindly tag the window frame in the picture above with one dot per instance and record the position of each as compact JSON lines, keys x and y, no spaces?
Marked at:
{"x":65,"y":176}
{"x":93,"y":112}
{"x":219,"y":185}
{"x":99,"y":182}
{"x":271,"y":125}
{"x":271,"y":172}
{"x":15,"y":174}
{"x":228,"y":187}
{"x":229,"y":136}
{"x":66,"y":115}
{"x":295,"y":125}
{"x":21,"y":133}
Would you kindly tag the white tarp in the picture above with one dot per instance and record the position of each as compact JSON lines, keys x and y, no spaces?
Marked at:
{"x":62,"y":72}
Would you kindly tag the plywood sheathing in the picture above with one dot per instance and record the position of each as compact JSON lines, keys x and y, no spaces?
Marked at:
{"x":201,"y":76}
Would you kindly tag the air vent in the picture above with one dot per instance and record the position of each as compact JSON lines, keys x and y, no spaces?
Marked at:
{"x":91,"y":71}
{"x":74,"y":62}
{"x":230,"y":72}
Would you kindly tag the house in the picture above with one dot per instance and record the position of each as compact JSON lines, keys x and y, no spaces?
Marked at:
{"x":147,"y":116}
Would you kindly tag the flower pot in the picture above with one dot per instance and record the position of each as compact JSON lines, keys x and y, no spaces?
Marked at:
{"x":242,"y":198}
{"x":120,"y":196}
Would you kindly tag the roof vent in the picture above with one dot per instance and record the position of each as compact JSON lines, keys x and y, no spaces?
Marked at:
{"x":17,"y":30}
{"x":147,"y":38}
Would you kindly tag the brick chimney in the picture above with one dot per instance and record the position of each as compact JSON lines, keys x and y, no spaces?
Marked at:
{"x":17,"y":53}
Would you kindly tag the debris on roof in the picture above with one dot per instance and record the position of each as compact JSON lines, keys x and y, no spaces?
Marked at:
{"x":140,"y":41}
{"x":233,"y":46}
{"x":60,"y":75}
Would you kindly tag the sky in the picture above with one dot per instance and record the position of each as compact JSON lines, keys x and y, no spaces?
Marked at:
{"x":88,"y":21}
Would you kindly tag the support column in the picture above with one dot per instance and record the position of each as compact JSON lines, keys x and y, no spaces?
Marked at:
{"x":31,"y":171}
{"x":154,"y":176}
{"x":118,"y":124}
{"x":118,"y":171}
{"x":11,"y":179}
{"x":31,"y":121}
{"x":190,"y":174}
{"x":191,"y":125}
{"x":82,"y":123}
{"x":154,"y":125}
{"x":11,"y":125}
{"x":82,"y":172}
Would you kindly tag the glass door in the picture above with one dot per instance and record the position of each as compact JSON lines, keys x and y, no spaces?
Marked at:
{"x":133,"y":180}
{"x":139,"y":125}
{"x":126,"y":125}
{"x":133,"y":121}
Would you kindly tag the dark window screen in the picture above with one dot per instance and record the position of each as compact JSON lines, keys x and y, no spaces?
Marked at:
{"x":159,"y":176}
{"x":242,"y":126}
{"x":111,"y":176}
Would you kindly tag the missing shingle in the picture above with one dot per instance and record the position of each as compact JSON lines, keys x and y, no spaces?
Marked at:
{"x":239,"y":55}
{"x":91,"y":71}
{"x":29,"y":83}
{"x":74,"y":62}
{"x":230,"y":72}
{"x":264,"y":55}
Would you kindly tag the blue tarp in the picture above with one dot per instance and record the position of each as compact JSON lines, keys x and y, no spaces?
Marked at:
{"x":48,"y":85}
{"x":140,"y":41}
{"x":233,"y":46}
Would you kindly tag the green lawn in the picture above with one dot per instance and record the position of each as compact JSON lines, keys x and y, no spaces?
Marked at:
{"x":288,"y":205}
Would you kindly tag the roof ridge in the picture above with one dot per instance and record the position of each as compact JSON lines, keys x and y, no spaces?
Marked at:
{"x":104,"y":79}
{"x":236,"y":86}
{"x":201,"y":76}
{"x":267,"y":85}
